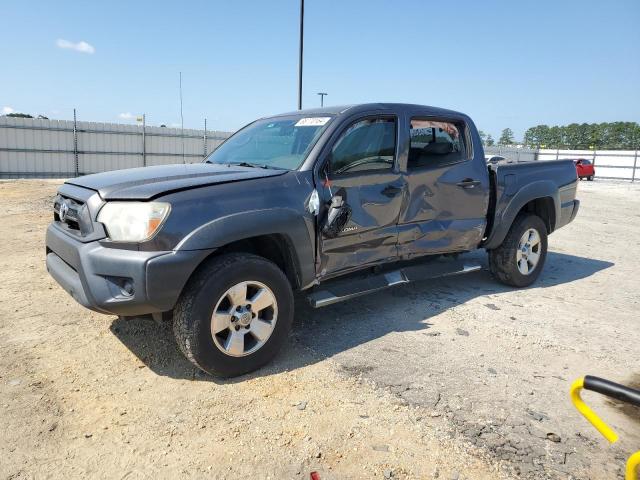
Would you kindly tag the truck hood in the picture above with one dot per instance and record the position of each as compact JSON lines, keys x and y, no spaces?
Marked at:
{"x":148,"y":182}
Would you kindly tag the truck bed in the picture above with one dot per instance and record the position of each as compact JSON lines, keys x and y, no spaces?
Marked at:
{"x":512,"y":185}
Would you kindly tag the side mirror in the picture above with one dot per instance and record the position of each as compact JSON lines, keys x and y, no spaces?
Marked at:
{"x":337,"y":217}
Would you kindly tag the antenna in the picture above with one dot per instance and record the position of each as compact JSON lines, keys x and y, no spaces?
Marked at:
{"x":181,"y":120}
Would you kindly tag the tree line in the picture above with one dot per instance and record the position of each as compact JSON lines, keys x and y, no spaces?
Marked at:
{"x":575,"y":136}
{"x":25,"y":115}
{"x":506,"y":138}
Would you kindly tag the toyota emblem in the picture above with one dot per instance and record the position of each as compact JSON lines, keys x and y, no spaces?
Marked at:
{"x":64,"y":210}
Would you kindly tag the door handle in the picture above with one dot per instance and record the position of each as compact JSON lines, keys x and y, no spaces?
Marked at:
{"x":468,"y":183}
{"x":391,"y":191}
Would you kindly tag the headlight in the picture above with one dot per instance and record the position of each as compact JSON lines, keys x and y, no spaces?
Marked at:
{"x":133,"y":221}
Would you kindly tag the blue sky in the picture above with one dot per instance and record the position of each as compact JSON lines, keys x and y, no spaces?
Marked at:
{"x":505,"y":63}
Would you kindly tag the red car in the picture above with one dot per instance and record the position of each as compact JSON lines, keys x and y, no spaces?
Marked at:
{"x":584,"y":168}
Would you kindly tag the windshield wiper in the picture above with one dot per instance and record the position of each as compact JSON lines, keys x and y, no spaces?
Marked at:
{"x":240,"y":164}
{"x":246,"y":164}
{"x":255,"y":165}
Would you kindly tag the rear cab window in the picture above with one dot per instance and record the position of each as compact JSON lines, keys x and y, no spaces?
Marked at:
{"x":435,"y":143}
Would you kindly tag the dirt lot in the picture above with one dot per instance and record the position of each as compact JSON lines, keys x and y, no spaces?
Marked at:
{"x":457,"y":379}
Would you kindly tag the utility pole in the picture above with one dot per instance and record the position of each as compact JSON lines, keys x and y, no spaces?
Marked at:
{"x":204,"y":140}
{"x":181,"y":120}
{"x":322,"y":95}
{"x":300,"y":55}
{"x":75,"y":144}
{"x":144,"y":140}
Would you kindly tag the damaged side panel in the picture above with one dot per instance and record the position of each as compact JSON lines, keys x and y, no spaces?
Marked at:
{"x":439,"y":236}
{"x":443,"y":213}
{"x":371,"y":233}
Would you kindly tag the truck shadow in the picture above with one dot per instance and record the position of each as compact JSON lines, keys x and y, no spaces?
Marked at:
{"x":321,"y":333}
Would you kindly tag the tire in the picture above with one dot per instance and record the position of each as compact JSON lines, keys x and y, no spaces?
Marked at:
{"x":590,"y":178}
{"x":503,"y":261}
{"x":218,"y":285}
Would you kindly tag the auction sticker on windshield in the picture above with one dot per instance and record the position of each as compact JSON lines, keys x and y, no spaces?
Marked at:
{"x":312,"y":122}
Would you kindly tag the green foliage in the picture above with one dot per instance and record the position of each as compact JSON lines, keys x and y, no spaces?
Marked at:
{"x":506,"y":137}
{"x":489,"y":142}
{"x":585,"y":136}
{"x":483,"y":137}
{"x":19,"y":115}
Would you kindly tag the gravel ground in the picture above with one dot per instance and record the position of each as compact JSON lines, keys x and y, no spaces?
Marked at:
{"x":462,"y":378}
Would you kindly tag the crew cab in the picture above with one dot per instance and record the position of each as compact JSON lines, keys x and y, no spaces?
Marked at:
{"x":335,"y":202}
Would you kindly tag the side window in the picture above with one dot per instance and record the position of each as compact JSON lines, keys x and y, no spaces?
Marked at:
{"x":366,"y":145}
{"x":435,"y":143}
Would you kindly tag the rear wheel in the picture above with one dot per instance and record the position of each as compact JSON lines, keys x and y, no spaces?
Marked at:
{"x":234,"y":314}
{"x":520,"y":259}
{"x":590,"y":178}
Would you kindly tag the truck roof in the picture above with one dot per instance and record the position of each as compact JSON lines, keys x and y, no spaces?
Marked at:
{"x":360,"y":107}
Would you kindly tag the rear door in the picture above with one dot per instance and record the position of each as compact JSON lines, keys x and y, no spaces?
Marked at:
{"x":360,"y":166}
{"x":448,"y":189}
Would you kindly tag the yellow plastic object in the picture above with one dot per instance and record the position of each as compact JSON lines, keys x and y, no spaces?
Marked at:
{"x":593,"y":419}
{"x":632,"y":467}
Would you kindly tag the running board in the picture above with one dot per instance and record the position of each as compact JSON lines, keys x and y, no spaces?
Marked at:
{"x":341,"y":290}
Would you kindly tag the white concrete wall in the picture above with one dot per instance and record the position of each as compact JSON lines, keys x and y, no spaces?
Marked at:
{"x":608,"y":163}
{"x":45,"y":148}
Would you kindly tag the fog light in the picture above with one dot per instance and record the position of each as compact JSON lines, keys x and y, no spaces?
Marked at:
{"x":127,"y":289}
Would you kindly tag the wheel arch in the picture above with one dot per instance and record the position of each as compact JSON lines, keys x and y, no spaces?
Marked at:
{"x":282,"y":236}
{"x":275,"y":247}
{"x":540,"y":198}
{"x":543,"y":207}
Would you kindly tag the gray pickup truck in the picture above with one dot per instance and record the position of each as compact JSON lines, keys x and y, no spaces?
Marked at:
{"x":335,"y":202}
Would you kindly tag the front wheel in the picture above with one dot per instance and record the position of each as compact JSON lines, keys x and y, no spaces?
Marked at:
{"x":520,"y":258}
{"x":590,"y":178}
{"x":234,"y":314}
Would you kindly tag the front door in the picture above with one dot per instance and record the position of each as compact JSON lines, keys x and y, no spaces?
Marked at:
{"x":361,"y":171}
{"x":448,"y":191}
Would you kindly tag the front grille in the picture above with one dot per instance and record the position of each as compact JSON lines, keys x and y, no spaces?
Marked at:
{"x":72,"y":215}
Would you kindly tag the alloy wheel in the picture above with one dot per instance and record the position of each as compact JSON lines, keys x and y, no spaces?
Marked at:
{"x":244,"y":318}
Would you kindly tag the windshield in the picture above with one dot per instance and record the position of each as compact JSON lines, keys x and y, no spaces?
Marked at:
{"x":281,"y":142}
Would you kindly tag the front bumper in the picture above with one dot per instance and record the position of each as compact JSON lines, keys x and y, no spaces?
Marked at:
{"x":118,"y":281}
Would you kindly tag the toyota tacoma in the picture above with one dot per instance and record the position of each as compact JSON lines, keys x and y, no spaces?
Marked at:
{"x":335,"y":202}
